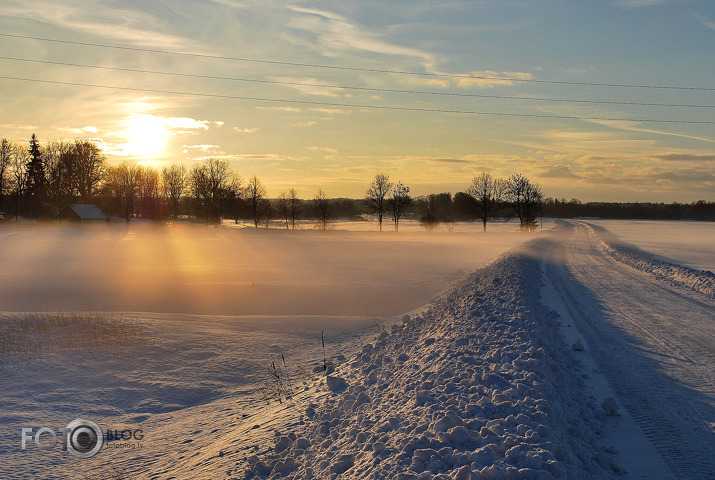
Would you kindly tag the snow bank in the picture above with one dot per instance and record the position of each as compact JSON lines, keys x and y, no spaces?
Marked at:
{"x":701,"y":281}
{"x":478,"y":386}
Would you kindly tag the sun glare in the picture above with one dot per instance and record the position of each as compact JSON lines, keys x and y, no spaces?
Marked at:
{"x":147,"y":136}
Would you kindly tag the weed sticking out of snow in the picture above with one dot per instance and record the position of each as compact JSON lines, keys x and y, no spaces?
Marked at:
{"x":30,"y":335}
{"x":478,"y":386}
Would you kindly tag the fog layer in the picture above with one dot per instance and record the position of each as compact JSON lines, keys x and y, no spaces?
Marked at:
{"x":236,"y":271}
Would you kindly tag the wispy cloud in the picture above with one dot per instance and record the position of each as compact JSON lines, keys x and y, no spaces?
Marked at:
{"x":336,"y":34}
{"x":132,"y":26}
{"x":685,"y":157}
{"x":245,"y":130}
{"x":322,"y":149}
{"x":79,"y":131}
{"x":705,"y":21}
{"x":631,"y":4}
{"x":308,"y":86}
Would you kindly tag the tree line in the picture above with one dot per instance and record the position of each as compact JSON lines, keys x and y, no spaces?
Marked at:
{"x":38,"y":181}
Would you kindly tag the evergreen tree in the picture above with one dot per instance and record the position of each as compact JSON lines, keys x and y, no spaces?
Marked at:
{"x":36,"y":185}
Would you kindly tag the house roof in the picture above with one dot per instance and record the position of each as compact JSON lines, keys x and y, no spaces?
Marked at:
{"x":87,"y":212}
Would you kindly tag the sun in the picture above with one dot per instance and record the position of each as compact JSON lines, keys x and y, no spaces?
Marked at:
{"x":147,"y":136}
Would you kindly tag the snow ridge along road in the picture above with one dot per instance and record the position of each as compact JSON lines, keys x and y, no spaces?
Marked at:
{"x":700,"y":281}
{"x":654,"y":342}
{"x":479,"y":385}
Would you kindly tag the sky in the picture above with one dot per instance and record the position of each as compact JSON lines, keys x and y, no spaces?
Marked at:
{"x":324,"y":94}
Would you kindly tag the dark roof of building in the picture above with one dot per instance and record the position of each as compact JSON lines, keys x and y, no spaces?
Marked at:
{"x":86,"y":211}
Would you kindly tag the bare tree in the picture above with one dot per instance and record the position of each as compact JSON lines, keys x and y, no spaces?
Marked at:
{"x":6,"y":151}
{"x":255,"y":196}
{"x":18,"y":178}
{"x":398,"y":202}
{"x":289,"y":205}
{"x":173,"y":184}
{"x":485,"y":194}
{"x":218,"y":178}
{"x":210,"y":185}
{"x":294,"y":207}
{"x":284,"y":207}
{"x":129,"y":178}
{"x":59,"y":188}
{"x":88,"y":168}
{"x":377,"y":194}
{"x":235,"y":197}
{"x":149,"y":194}
{"x":197,"y":187}
{"x":320,"y":208}
{"x":525,"y":199}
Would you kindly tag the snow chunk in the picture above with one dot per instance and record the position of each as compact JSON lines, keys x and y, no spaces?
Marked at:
{"x":610,"y":406}
{"x":335,"y":384}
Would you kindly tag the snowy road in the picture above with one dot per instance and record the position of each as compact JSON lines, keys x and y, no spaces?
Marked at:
{"x":654,"y":343}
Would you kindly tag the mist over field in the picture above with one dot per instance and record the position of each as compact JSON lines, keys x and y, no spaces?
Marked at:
{"x":193,"y":269}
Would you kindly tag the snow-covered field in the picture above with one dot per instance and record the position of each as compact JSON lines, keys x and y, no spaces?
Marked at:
{"x":687,"y":243}
{"x":555,"y":360}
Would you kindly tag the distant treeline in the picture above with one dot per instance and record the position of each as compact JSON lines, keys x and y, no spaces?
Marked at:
{"x":700,"y":210}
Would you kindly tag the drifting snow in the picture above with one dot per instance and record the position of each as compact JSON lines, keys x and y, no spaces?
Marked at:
{"x":478,"y":386}
{"x":701,"y":281}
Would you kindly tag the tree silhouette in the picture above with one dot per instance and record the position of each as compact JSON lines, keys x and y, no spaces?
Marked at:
{"x":173,"y":183}
{"x":255,"y":200}
{"x":525,"y":199}
{"x":321,"y":210}
{"x":398,"y":202}
{"x":485,"y":195}
{"x":376,"y":196}
{"x":36,"y":188}
{"x":6,"y":151}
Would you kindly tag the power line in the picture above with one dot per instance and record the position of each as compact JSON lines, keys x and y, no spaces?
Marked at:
{"x":369,"y":89}
{"x":355,"y":69}
{"x":349,"y":105}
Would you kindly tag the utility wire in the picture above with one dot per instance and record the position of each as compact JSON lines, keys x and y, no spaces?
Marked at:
{"x":349,"y":105}
{"x":354,"y":69}
{"x":343,"y":87}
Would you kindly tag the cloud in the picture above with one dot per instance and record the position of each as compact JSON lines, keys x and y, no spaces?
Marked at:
{"x":184,"y":123}
{"x":558,"y":171}
{"x":449,"y":160}
{"x":79,"y":131}
{"x":309,"y":86}
{"x":684,"y":157}
{"x":331,"y":111}
{"x":631,"y":4}
{"x":245,"y":130}
{"x":632,"y":126}
{"x":203,"y":148}
{"x":322,"y":149}
{"x":705,"y":21}
{"x":336,"y":34}
{"x":130,"y":26}
{"x":282,"y":109}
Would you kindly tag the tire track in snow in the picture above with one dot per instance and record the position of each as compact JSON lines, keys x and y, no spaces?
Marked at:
{"x":661,"y":409}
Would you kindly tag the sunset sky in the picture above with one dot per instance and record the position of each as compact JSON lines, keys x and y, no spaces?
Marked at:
{"x":325,"y":94}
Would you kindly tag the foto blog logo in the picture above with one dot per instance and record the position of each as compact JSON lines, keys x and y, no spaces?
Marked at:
{"x":81,"y":437}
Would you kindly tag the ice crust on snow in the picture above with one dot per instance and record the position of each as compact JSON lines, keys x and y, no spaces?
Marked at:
{"x":701,"y":281}
{"x":478,"y":386}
